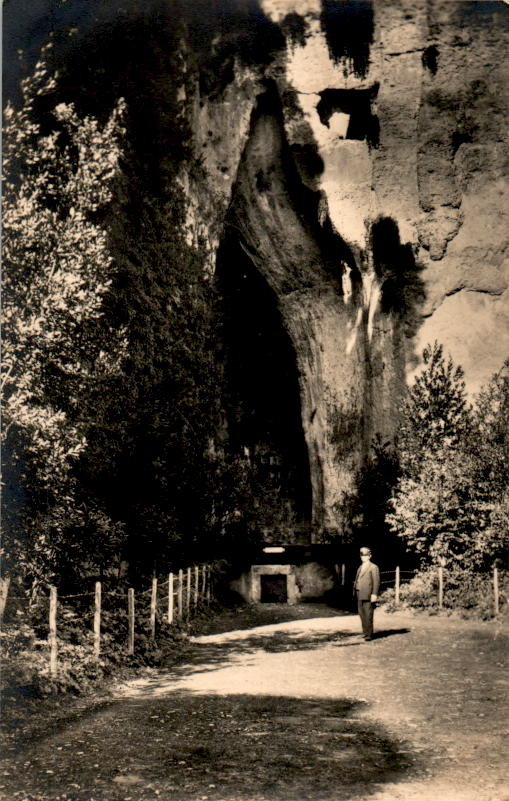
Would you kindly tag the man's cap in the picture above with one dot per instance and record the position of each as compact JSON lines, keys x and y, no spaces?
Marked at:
{"x":365,"y":552}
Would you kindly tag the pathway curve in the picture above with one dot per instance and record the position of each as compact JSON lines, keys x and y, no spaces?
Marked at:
{"x":298,"y":710}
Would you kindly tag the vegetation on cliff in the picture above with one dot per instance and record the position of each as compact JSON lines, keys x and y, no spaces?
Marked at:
{"x":112,"y":376}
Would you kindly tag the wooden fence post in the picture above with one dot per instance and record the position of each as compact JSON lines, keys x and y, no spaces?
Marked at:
{"x":170,"y":599}
{"x":440,"y":587}
{"x":53,"y":645}
{"x":196,"y":584}
{"x":396,"y":586}
{"x":496,"y":597}
{"x":188,"y":592}
{"x":4,"y":590}
{"x":153,"y":607}
{"x":209,"y":581}
{"x":343,"y":575}
{"x":179,"y":597}
{"x":97,"y":619}
{"x":203,"y":581}
{"x":130,"y":608}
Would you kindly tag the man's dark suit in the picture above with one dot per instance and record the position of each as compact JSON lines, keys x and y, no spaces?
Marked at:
{"x":367,"y":583}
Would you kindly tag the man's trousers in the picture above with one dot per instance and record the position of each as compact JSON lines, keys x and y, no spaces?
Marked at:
{"x":366,"y":612}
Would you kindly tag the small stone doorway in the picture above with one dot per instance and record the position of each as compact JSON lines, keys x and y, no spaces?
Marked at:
{"x":274,"y":589}
{"x":276,"y":579}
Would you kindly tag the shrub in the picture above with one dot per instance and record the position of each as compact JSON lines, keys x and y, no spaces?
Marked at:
{"x":421,"y":592}
{"x":472,"y":593}
{"x":26,"y":652}
{"x":467,"y":592}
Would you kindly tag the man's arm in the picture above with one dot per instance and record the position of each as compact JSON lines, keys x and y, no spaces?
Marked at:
{"x":376,"y":583}
{"x":355,"y":582}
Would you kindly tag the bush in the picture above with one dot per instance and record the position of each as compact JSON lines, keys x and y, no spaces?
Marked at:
{"x":26,"y":665}
{"x":26,"y":652}
{"x":472,"y":593}
{"x":421,"y":592}
{"x":467,"y":592}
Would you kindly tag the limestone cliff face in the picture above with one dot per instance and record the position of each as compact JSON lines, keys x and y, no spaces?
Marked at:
{"x":364,"y":172}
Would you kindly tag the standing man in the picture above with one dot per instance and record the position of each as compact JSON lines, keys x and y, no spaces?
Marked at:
{"x":366,"y":586}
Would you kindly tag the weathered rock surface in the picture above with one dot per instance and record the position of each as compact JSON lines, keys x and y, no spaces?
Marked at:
{"x":371,"y":195}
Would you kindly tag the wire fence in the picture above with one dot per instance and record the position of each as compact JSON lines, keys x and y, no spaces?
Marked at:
{"x":394,"y":579}
{"x":174,"y":599}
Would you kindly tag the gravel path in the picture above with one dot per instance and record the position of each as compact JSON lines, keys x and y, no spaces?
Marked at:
{"x":303,"y":709}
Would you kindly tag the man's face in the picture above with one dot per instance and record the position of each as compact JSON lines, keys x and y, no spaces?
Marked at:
{"x":365,"y":557}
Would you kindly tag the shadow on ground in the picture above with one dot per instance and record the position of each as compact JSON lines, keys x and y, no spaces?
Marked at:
{"x":247,"y":616}
{"x":205,"y":656}
{"x":380,"y":635}
{"x":238,"y":747}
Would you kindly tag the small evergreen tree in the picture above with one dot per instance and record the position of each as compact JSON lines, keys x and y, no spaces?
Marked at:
{"x":435,"y":414}
{"x":450,"y":502}
{"x":490,"y":440}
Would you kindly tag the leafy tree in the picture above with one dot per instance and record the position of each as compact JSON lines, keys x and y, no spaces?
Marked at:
{"x":56,"y":275}
{"x":112,"y":407}
{"x":435,"y":414}
{"x":450,"y":503}
{"x":489,"y":452}
{"x":432,"y":510}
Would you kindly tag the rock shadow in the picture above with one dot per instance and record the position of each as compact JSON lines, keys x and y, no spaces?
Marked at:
{"x":399,"y":274}
{"x":349,"y":30}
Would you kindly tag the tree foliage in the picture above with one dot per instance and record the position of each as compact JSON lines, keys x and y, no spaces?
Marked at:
{"x":435,"y":413}
{"x":376,"y":481}
{"x":151,"y":455}
{"x":111,"y":376}
{"x":450,"y":502}
{"x":56,"y":276}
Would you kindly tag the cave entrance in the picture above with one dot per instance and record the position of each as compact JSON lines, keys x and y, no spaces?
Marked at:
{"x":274,"y":589}
{"x":262,"y":398}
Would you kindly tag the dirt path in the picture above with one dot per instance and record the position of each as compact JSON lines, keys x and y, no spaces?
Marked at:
{"x":298,"y":710}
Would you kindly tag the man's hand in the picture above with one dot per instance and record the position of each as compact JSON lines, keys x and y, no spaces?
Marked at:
{"x":373,"y":598}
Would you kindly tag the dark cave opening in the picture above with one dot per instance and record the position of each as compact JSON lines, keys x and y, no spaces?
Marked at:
{"x":262,"y":397}
{"x":430,"y":59}
{"x":357,"y":103}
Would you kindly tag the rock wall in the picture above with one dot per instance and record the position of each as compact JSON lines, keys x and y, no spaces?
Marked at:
{"x":365,"y":174}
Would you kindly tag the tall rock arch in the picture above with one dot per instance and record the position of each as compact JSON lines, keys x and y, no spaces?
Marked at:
{"x":363,"y":172}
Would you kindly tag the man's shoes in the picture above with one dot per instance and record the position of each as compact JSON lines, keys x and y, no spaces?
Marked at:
{"x":368,"y":639}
